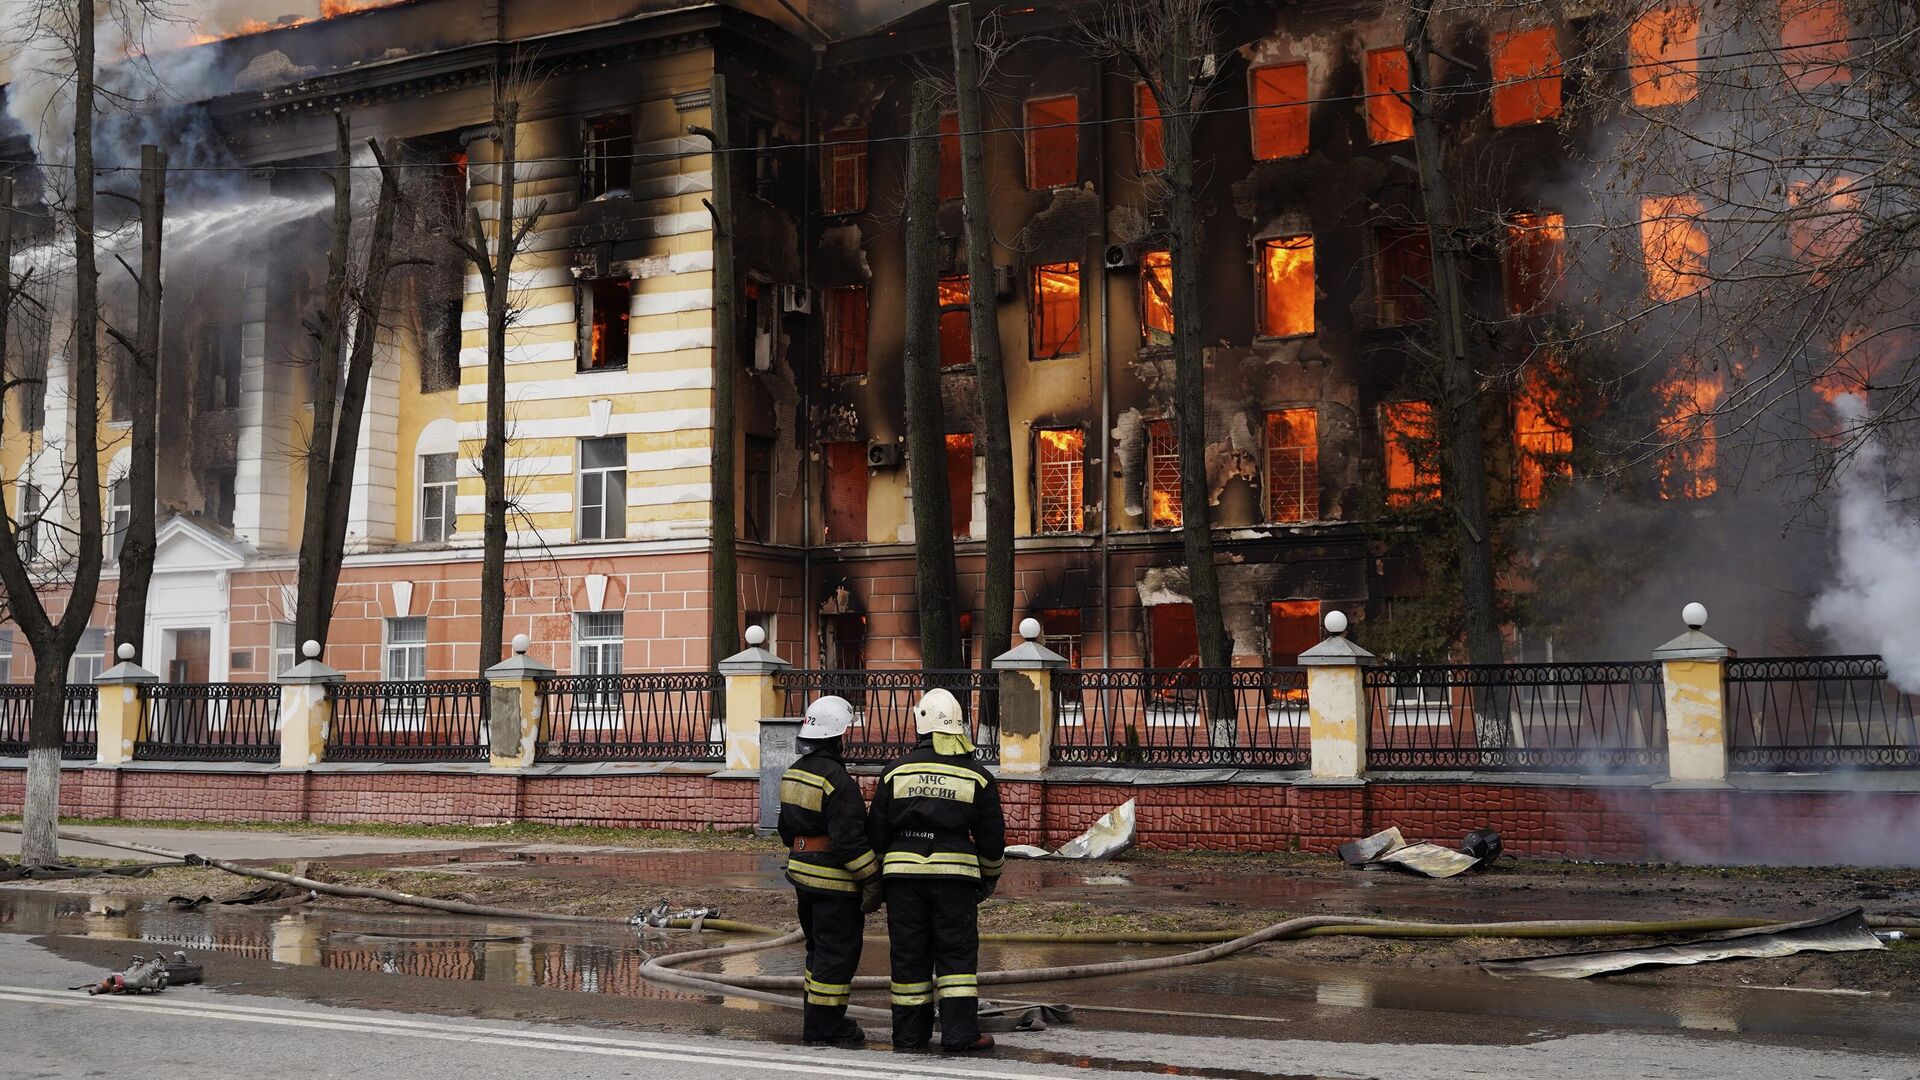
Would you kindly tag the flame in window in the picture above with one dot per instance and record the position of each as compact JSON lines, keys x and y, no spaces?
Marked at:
{"x":1536,"y":261}
{"x":1293,"y":465}
{"x":1542,"y":436}
{"x":1163,"y":476}
{"x":1688,"y":400}
{"x":1280,"y":118}
{"x":1814,"y":46}
{"x":1663,"y":47}
{"x":1825,"y":224}
{"x":1148,"y":133}
{"x":1056,"y":310}
{"x":1156,"y":298}
{"x":956,"y":322}
{"x":1286,"y":286}
{"x":1526,"y":77}
{"x":1409,"y":434}
{"x":1061,"y":479}
{"x":1389,"y":115}
{"x":1674,"y":245}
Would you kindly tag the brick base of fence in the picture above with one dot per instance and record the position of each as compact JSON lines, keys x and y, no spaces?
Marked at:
{"x":1625,"y":824}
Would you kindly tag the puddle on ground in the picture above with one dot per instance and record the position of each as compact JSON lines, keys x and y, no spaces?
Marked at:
{"x":607,"y":960}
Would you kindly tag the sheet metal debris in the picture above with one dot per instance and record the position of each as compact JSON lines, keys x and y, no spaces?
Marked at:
{"x":1110,"y":836}
{"x":1844,"y":932}
{"x":1389,"y":848}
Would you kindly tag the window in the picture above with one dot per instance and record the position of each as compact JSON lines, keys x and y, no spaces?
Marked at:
{"x":965,"y":629}
{"x":1056,"y":310}
{"x":956,"y":322}
{"x":1163,"y":475}
{"x":406,"y":651}
{"x":1156,"y":298}
{"x":1403,"y":268}
{"x":1825,"y":223}
{"x":29,"y":529}
{"x":1389,"y":114}
{"x":1407,"y":435}
{"x":216,"y":352}
{"x":219,"y":492}
{"x":1536,"y":261}
{"x":89,"y":656}
{"x":1663,"y":52}
{"x":606,"y":156}
{"x":843,"y":642}
{"x":605,"y":305}
{"x":759,"y":489}
{"x":1053,"y":142}
{"x":1286,"y":286}
{"x":120,"y":390}
{"x":1175,"y":644}
{"x":1279,"y":111}
{"x":119,"y":516}
{"x":598,"y":641}
{"x":1526,"y":76}
{"x":286,"y":652}
{"x":1688,"y":400}
{"x":438,"y":485}
{"x":846,"y":492}
{"x":28,"y":331}
{"x":847,"y":330}
{"x":1060,"y":463}
{"x":950,"y":156}
{"x":1060,"y":631}
{"x":1813,"y":40}
{"x":1293,"y":465}
{"x":1674,"y":245}
{"x":603,"y":488}
{"x":844,"y":186}
{"x":1293,"y":627}
{"x":6,"y":654}
{"x":960,"y":482}
{"x":1148,"y":134}
{"x":1542,"y":439}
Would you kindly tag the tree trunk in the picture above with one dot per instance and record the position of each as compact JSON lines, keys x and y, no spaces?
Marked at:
{"x":493,"y":452}
{"x":926,"y":425}
{"x":137,"y":544}
{"x":314,"y":611}
{"x":40,"y":812}
{"x":996,"y":438}
{"x":724,"y":630}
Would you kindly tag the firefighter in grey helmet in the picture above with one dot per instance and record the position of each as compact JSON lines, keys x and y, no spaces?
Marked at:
{"x":830,"y":864}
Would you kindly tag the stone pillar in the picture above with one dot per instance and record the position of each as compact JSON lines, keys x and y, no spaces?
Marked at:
{"x":1692,"y":671}
{"x":751,"y":695}
{"x":779,"y":748}
{"x":514,"y":712}
{"x":306,"y":708}
{"x":1027,"y":702}
{"x":119,"y":716}
{"x":1337,"y":703}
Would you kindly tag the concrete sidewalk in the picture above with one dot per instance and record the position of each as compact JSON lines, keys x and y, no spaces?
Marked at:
{"x":238,"y":844}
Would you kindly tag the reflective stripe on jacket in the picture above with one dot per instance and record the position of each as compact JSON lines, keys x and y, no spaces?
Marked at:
{"x":818,"y":798}
{"x":937,"y":815}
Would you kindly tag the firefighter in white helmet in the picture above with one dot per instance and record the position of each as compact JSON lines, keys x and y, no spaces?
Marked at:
{"x":829,"y":862}
{"x":937,"y":825}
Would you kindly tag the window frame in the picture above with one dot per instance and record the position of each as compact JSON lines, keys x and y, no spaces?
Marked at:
{"x":765,"y":499}
{"x":601,"y":160}
{"x":954,"y":289}
{"x":1308,"y":502}
{"x":1391,"y":297}
{"x":119,"y":517}
{"x":1162,"y":445}
{"x":412,"y":654}
{"x":1074,"y":482}
{"x":89,"y":656}
{"x":619,"y":326}
{"x":593,"y":646}
{"x":1156,"y":266}
{"x":1261,"y":246}
{"x":857,"y":452}
{"x":1422,"y":488}
{"x":844,"y":147}
{"x":1530,"y":224}
{"x":602,"y":475}
{"x":1279,"y":109}
{"x":1074,"y":341}
{"x":449,"y":492}
{"x":283,"y":655}
{"x":31,"y":503}
{"x":950,"y":179}
{"x":1383,"y":112}
{"x":1149,"y":131}
{"x":841,"y":347}
{"x":1546,"y":89}
{"x":1037,"y":133}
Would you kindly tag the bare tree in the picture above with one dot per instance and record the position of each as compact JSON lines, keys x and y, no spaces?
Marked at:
{"x":136,"y":549}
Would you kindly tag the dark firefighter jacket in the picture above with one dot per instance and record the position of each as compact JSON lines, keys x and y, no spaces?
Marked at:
{"x":818,"y":799}
{"x":937,"y":816}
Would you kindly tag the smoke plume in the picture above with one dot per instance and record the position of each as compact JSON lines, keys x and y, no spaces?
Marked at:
{"x":1872,"y":604}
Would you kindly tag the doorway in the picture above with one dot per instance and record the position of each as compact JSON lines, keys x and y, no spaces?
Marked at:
{"x":191,"y":652}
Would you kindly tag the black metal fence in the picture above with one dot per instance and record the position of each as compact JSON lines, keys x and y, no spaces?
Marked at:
{"x":1195,"y":717}
{"x":79,"y":737}
{"x":671,"y":716}
{"x":883,"y":701}
{"x":1818,"y":712}
{"x":425,"y":720}
{"x":1540,"y":717}
{"x":209,"y":722}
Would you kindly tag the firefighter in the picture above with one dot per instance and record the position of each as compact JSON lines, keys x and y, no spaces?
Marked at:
{"x":936,"y":823}
{"x":823,"y":824}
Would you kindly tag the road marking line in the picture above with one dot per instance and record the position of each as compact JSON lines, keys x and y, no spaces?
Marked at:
{"x":775,"y":1062}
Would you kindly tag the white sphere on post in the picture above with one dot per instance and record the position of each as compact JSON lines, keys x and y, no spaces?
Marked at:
{"x":1030,"y":628}
{"x":756,"y":636}
{"x":310,"y":649}
{"x":125,"y":651}
{"x":1694,"y":615}
{"x":520,"y":644}
{"x":1336,"y":622}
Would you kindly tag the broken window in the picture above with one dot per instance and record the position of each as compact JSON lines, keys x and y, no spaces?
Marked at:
{"x":843,"y":188}
{"x":1674,"y":245}
{"x":1293,"y":627}
{"x":960,"y":482}
{"x":1053,"y":142}
{"x":1055,"y":310}
{"x":1663,"y":51}
{"x":1156,"y":298}
{"x":1279,"y":111}
{"x":1536,"y":258}
{"x":1403,"y":269}
{"x":1149,"y":137}
{"x":956,"y":322}
{"x":847,"y":330}
{"x":120,"y":388}
{"x":846,"y":492}
{"x":1813,"y":39}
{"x":606,"y":156}
{"x":603,"y":488}
{"x":1060,"y":462}
{"x":1293,"y":465}
{"x":438,"y":487}
{"x":1286,"y":286}
{"x":217,"y":349}
{"x":30,"y":530}
{"x":1408,"y":443}
{"x":439,"y":286}
{"x":1060,"y":631}
{"x":119,"y":516}
{"x":1688,"y":400}
{"x":758,"y":489}
{"x":28,"y":333}
{"x":1542,"y":435}
{"x":1389,"y":114}
{"x":950,"y":156}
{"x":1163,"y":475}
{"x":1176,"y":643}
{"x":605,"y":305}
{"x":1526,"y":76}
{"x":220,"y":495}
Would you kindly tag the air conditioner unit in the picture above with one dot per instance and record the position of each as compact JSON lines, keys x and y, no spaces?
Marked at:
{"x":884,"y":455}
{"x":1120,"y":256}
{"x":796,"y":300}
{"x":1003,"y":282}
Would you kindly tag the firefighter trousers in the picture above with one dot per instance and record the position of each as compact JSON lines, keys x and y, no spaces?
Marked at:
{"x":833,"y":925}
{"x":934,"y":930}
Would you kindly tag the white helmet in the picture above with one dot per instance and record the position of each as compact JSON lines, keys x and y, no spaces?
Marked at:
{"x":827,"y":718}
{"x":938,"y":714}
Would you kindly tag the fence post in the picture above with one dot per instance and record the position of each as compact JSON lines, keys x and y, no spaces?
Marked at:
{"x":751,"y":694}
{"x":306,"y":708}
{"x":118,"y":723}
{"x":1693,"y":684}
{"x":1337,"y":709}
{"x":1027,"y":702}
{"x":513,"y":708}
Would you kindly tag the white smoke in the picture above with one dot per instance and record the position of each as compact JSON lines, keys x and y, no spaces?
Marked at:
{"x":1872,"y":606}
